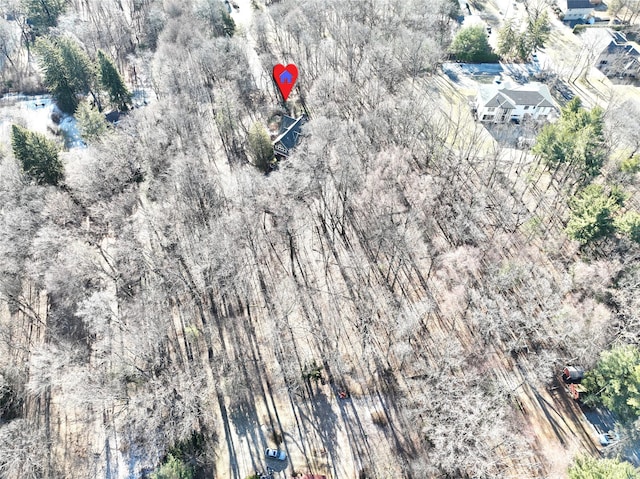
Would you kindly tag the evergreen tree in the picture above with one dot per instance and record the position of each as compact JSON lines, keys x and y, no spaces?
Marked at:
{"x":615,"y":382}
{"x":111,"y":81}
{"x":516,"y":44}
{"x":538,"y":31}
{"x":471,"y":45}
{"x":576,"y":139}
{"x":67,"y":71}
{"x":43,"y":14}
{"x":77,"y":64}
{"x":631,"y":165}
{"x":592,"y":214}
{"x":55,"y":76}
{"x":260,"y":147}
{"x":629,"y":225}
{"x":91,"y":122}
{"x":521,"y":48}
{"x":592,"y":468}
{"x":37,"y":155}
{"x":173,"y":468}
{"x":507,"y":38}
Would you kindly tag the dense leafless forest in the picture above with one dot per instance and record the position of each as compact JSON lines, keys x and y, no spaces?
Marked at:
{"x":167,"y":299}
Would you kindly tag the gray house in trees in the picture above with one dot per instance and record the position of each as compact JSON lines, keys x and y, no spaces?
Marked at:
{"x":618,"y":57}
{"x":288,"y":136}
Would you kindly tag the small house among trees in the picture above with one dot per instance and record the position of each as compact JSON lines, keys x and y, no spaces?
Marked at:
{"x":572,"y":374}
{"x":288,"y":135}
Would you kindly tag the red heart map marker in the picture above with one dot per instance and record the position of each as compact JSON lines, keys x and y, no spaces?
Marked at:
{"x":285,"y":78}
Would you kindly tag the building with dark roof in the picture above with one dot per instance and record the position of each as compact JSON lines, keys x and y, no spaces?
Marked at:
{"x":288,"y":135}
{"x":618,"y":57}
{"x":576,"y":9}
{"x":499,"y":103}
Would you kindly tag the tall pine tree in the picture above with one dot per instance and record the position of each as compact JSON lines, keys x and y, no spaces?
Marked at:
{"x":43,"y":14}
{"x":54,"y":75}
{"x":507,"y":39}
{"x":111,"y":81}
{"x":576,"y":139}
{"x":37,"y":155}
{"x":592,"y":214}
{"x":68,"y":71}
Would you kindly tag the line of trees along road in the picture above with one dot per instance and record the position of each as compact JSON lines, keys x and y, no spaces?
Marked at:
{"x":163,"y":286}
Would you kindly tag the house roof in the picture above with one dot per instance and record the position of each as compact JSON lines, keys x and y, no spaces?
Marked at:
{"x":285,"y":123}
{"x":573,"y":372}
{"x":289,"y":132}
{"x":617,"y":36}
{"x":577,"y":4}
{"x":490,"y":96}
{"x":614,"y":48}
{"x":527,"y":97}
{"x":499,"y":100}
{"x":617,"y":43}
{"x":612,"y":43}
{"x":507,"y":96}
{"x":113,"y":116}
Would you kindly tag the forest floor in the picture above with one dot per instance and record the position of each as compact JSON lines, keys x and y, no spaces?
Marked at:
{"x":557,"y":423}
{"x":317,"y":433}
{"x":323,"y":434}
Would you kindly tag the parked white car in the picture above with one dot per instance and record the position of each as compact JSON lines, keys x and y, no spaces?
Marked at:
{"x":275,"y":454}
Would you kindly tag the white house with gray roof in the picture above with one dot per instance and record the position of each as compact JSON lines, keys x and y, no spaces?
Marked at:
{"x":576,"y":9}
{"x":500,"y":103}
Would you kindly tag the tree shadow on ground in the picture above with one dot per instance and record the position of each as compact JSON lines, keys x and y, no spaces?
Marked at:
{"x":326,"y":421}
{"x":277,"y":465}
{"x":452,"y":75}
{"x":510,"y":134}
{"x":244,"y":417}
{"x":548,"y":409}
{"x":388,"y":394}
